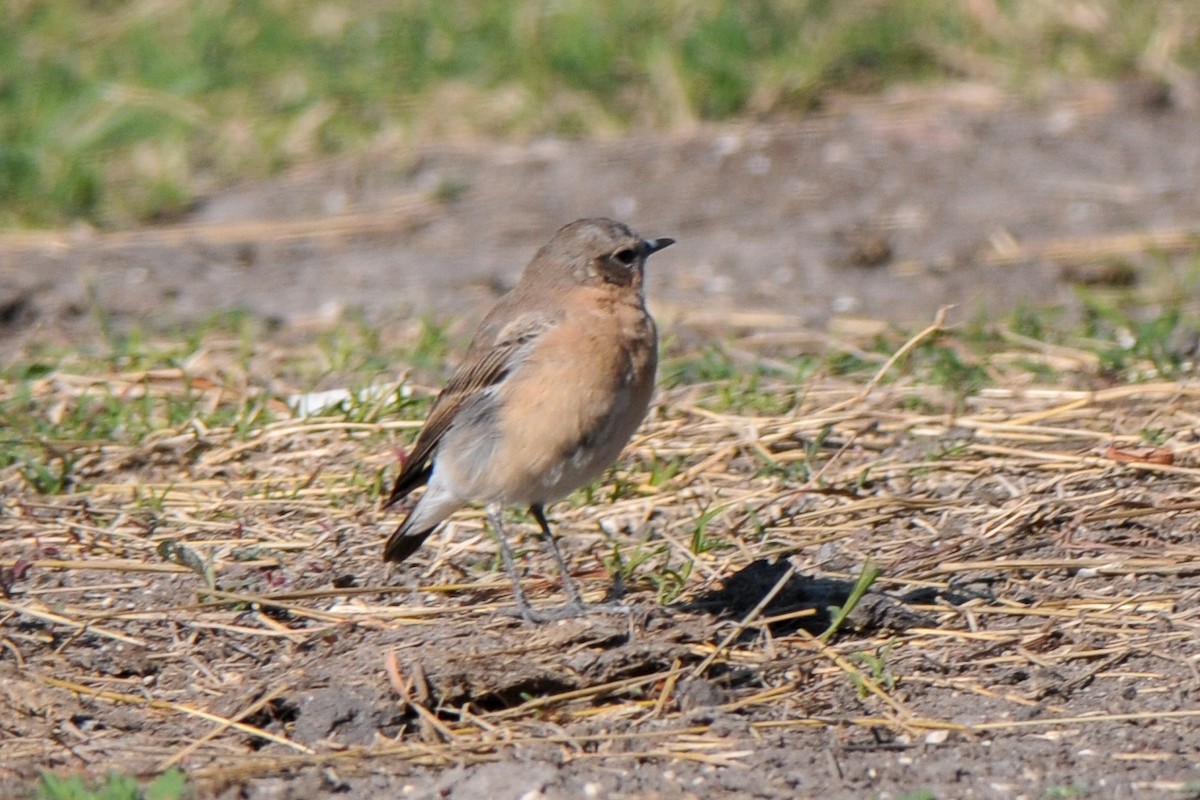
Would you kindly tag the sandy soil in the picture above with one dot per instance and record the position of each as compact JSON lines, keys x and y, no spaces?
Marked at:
{"x":875,"y":210}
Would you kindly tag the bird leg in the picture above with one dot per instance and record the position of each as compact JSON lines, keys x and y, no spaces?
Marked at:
{"x":495,"y":513}
{"x":575,"y":605}
{"x":574,"y":598}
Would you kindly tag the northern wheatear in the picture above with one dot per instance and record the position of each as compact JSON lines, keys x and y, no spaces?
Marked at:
{"x":557,"y":379}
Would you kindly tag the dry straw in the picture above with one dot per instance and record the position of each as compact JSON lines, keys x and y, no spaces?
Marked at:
{"x":1033,"y":542}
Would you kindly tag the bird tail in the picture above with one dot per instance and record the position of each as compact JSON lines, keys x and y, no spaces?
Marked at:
{"x":405,"y":541}
{"x":434,"y":506}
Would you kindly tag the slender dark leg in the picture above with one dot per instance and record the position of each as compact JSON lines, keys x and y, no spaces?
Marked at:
{"x":574,"y":599}
{"x":495,"y":514}
{"x":575,"y":606}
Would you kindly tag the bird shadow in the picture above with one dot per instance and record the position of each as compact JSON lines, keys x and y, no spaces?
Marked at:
{"x":805,"y":602}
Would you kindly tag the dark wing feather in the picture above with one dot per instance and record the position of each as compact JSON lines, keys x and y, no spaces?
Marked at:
{"x":484,"y":366}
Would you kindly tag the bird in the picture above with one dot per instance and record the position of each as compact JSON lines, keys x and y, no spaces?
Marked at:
{"x":558,"y":376}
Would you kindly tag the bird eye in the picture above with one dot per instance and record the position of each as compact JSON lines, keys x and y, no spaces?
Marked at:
{"x":625,"y":256}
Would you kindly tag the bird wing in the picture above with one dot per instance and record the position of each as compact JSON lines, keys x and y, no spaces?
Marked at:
{"x":488,"y":362}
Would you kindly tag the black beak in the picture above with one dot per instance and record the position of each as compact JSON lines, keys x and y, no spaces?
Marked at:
{"x":654,"y":245}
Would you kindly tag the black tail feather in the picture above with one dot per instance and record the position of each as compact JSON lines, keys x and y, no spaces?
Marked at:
{"x":402,"y":543}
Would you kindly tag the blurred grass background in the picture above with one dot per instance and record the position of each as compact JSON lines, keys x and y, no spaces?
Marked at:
{"x":117,"y":113}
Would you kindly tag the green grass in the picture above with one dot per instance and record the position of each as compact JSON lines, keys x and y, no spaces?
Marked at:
{"x":132,"y":386}
{"x":118,"y":400}
{"x":171,"y":785}
{"x":877,"y":664}
{"x":839,"y":614}
{"x":123,"y":112}
{"x":656,"y":564}
{"x":1141,"y":342}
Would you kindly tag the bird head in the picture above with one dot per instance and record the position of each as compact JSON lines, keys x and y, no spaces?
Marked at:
{"x":595,"y":251}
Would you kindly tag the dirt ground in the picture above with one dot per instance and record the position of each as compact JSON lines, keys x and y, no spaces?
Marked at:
{"x":1033,"y":634}
{"x":877,"y":209}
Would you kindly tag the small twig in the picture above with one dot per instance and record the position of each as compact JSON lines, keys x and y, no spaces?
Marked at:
{"x":668,"y":689}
